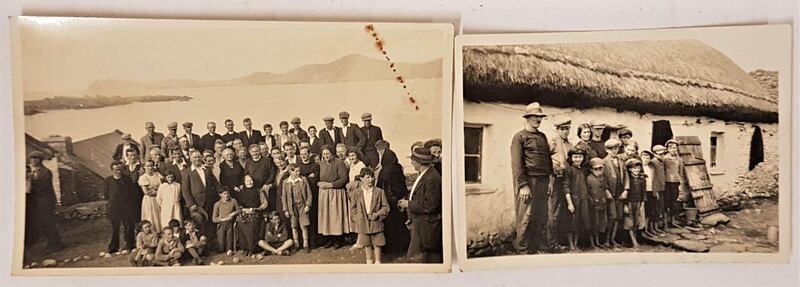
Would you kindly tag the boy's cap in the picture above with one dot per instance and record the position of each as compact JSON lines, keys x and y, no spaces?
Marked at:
{"x":596,"y":162}
{"x":649,"y":153}
{"x":672,"y":141}
{"x":612,"y":143}
{"x":624,"y":131}
{"x":597,"y":125}
{"x":632,"y":162}
{"x":659,"y":148}
{"x":561,"y":123}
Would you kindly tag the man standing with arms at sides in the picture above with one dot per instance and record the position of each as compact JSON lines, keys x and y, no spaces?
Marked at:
{"x":200,"y":190}
{"x":230,"y":134}
{"x":557,"y":206}
{"x":297,"y":130}
{"x":352,"y":136}
{"x":194,"y":139}
{"x":597,"y":143}
{"x":208,"y":140}
{"x":330,"y":135}
{"x":372,"y":134}
{"x":531,"y":166}
{"x":121,"y":193}
{"x":249,"y":136}
{"x":151,"y":139}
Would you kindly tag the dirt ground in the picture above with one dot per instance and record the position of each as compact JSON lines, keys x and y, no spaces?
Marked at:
{"x":90,"y":237}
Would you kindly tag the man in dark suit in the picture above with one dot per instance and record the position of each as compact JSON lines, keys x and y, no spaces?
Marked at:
{"x":351,"y":133}
{"x":127,"y":143}
{"x":121,"y":193}
{"x":297,"y":130}
{"x":249,"y":136}
{"x":150,"y":139}
{"x":330,"y":135}
{"x":424,"y":207}
{"x":40,"y":203}
{"x":230,"y":134}
{"x":200,"y":190}
{"x":372,"y":134}
{"x":208,"y":140}
{"x":194,"y":139}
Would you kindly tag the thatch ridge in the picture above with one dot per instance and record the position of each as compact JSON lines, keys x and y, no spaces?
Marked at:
{"x":683,"y":77}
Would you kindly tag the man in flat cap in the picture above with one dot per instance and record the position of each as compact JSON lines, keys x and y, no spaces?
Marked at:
{"x":352,"y":136}
{"x":531,"y":166}
{"x":151,"y":139}
{"x":40,"y":203}
{"x":297,"y":130}
{"x":127,"y":143}
{"x":170,"y":141}
{"x":559,"y":149}
{"x":597,"y":142}
{"x":194,"y":139}
{"x":249,"y":135}
{"x":330,"y":135}
{"x":372,"y":134}
{"x":208,"y":140}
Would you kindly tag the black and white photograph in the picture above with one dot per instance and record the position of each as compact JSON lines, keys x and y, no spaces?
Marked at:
{"x":624,"y":147}
{"x":155,"y":145}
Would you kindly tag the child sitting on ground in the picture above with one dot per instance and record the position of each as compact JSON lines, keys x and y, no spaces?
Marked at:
{"x":276,"y":237}
{"x":169,"y":249}
{"x":175,"y":225}
{"x":193,"y":241}
{"x":369,"y":208}
{"x":146,"y":243}
{"x":225,"y":211}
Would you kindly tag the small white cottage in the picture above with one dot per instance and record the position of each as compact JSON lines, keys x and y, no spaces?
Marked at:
{"x":654,"y":88}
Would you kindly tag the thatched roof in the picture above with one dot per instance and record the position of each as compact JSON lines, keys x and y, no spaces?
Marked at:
{"x":675,"y":77}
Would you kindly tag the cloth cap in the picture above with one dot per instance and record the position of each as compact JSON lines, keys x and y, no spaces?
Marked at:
{"x":561,"y":123}
{"x":187,"y":125}
{"x":631,"y":162}
{"x":366,"y":117}
{"x":596,"y":162}
{"x":597,"y":125}
{"x":624,"y":131}
{"x":672,"y":141}
{"x":648,"y":152}
{"x":172,"y":125}
{"x":612,"y":143}
{"x":534,"y":109}
{"x":659,"y":148}
{"x":344,"y":115}
{"x":327,"y":119}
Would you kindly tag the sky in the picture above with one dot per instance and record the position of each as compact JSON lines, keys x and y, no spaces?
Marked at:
{"x":67,"y":54}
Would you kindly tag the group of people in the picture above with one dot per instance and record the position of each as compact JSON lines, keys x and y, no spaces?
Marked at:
{"x":272,"y":194}
{"x":593,"y":188}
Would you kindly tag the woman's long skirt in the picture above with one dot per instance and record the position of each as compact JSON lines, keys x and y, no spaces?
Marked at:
{"x":151,"y":211}
{"x":333,"y":215}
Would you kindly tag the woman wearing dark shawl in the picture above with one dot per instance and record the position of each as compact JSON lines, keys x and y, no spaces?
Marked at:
{"x":393,"y":182}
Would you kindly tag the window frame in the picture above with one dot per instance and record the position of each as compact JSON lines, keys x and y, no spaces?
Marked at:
{"x":716,"y":166}
{"x":479,"y":155}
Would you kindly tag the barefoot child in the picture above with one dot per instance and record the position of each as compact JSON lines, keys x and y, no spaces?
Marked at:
{"x":193,"y":241}
{"x":369,"y":208}
{"x":276,"y":237}
{"x":633,"y":196}
{"x":577,"y":199}
{"x":169,"y":249}
{"x":296,"y":205}
{"x":599,"y":198}
{"x":225,"y":211}
{"x":146,"y":243}
{"x":614,"y":176}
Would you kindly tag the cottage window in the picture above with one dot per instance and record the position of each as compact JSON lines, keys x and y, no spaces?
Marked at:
{"x":715,"y":150}
{"x":473,"y":142}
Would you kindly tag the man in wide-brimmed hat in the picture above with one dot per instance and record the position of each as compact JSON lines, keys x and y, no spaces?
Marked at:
{"x":531,"y":166}
{"x":40,"y":202}
{"x":424,"y":207}
{"x":435,"y":146}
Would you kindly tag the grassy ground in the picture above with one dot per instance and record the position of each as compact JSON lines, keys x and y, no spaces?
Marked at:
{"x":90,"y":237}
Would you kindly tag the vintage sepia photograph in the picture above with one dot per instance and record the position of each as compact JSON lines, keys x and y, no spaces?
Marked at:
{"x":283,"y":146}
{"x":624,"y":147}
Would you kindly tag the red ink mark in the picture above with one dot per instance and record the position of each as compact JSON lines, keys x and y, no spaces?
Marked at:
{"x":380,"y":45}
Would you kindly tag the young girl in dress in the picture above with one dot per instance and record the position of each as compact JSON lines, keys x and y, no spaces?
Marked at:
{"x":146,"y":243}
{"x":576,"y":193}
{"x":169,"y":200}
{"x":150,"y":182}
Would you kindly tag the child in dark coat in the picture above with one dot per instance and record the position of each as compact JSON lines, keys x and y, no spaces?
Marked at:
{"x":577,"y":198}
{"x":633,"y":196}
{"x":599,"y":196}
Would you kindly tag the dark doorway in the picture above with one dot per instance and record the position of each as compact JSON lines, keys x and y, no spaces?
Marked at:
{"x":662,"y":132}
{"x":756,"y":148}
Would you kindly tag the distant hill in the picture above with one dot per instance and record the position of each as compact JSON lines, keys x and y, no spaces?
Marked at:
{"x":350,"y":68}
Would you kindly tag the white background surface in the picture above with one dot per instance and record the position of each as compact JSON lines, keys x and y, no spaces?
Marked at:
{"x":472,"y":17}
